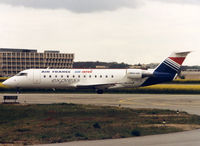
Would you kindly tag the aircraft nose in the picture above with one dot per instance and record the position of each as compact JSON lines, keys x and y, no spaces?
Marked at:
{"x":8,"y":83}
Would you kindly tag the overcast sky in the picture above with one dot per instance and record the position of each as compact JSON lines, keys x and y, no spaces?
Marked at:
{"x":130,"y":31}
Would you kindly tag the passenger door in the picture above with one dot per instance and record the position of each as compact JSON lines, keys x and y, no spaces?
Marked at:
{"x":36,"y":76}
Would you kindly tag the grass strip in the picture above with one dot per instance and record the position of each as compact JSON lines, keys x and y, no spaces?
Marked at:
{"x":39,"y":124}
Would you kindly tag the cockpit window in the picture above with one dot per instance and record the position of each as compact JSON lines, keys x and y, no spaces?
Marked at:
{"x":22,"y":74}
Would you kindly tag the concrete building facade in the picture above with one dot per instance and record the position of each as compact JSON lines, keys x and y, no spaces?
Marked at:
{"x":13,"y":61}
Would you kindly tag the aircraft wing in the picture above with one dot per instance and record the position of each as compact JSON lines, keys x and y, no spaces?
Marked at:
{"x":96,"y":86}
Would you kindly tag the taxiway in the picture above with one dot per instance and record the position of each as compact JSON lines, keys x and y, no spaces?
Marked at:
{"x":188,"y":103}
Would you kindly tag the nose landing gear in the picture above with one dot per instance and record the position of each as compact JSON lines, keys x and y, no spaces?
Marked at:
{"x":18,"y":90}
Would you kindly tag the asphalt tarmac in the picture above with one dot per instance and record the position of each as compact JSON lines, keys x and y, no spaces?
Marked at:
{"x":188,"y":103}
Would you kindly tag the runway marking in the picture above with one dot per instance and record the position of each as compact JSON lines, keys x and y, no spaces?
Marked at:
{"x":130,"y":102}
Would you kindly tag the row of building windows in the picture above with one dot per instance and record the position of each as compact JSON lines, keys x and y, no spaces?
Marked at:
{"x":23,"y":63}
{"x":35,"y":63}
{"x":59,"y":55}
{"x":22,"y":54}
{"x":57,"y":64}
{"x":20,"y":67}
{"x":36,"y":59}
{"x":37,"y":54}
{"x":21,"y":59}
{"x":10,"y":72}
{"x":69,"y":60}
{"x":79,"y":76}
{"x":32,"y":66}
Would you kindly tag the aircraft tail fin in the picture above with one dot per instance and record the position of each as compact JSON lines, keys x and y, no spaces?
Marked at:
{"x":173,"y":63}
{"x":168,"y":69}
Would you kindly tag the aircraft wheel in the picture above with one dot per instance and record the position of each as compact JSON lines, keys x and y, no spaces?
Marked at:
{"x":99,"y":91}
{"x":18,"y":91}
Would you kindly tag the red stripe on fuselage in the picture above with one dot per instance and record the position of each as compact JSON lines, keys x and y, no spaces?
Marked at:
{"x":178,"y":60}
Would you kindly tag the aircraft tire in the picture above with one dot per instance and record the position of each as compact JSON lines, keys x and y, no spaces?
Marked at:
{"x":99,"y":91}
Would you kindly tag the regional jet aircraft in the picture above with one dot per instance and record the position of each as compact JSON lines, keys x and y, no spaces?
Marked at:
{"x":98,"y":79}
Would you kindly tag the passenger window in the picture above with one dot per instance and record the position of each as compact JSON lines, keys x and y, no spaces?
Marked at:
{"x":100,"y":76}
{"x":84,"y":76}
{"x":55,"y":76}
{"x":61,"y":76}
{"x":106,"y":76}
{"x":95,"y":76}
{"x":49,"y":76}
{"x":44,"y":76}
{"x":67,"y":76}
{"x":73,"y":76}
{"x":90,"y":76}
{"x":79,"y":76}
{"x":112,"y":76}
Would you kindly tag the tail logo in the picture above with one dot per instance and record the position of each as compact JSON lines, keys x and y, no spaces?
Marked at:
{"x":173,"y":63}
{"x":178,"y":60}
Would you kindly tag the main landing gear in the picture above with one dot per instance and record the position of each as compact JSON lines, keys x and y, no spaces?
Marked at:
{"x":99,"y":91}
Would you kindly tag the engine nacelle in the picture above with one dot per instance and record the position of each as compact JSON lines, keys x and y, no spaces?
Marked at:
{"x":134,"y":74}
{"x":147,"y":73}
{"x":138,"y":74}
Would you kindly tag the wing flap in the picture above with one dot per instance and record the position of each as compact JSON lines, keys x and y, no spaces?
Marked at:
{"x":95,"y":86}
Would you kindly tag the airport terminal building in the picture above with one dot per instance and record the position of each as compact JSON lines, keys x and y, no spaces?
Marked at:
{"x":13,"y":61}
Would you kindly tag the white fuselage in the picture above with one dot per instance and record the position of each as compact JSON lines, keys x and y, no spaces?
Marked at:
{"x":66,"y":78}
